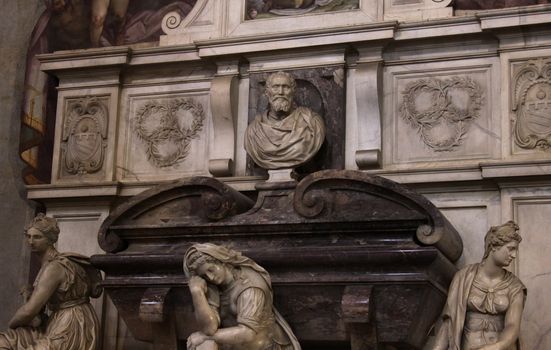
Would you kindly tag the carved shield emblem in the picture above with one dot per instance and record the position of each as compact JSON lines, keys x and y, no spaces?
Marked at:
{"x":532,"y":105}
{"x":85,"y":136}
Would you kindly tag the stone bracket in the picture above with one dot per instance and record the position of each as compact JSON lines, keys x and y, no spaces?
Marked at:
{"x":153,"y":305}
{"x":223,"y":101}
{"x":155,"y":309}
{"x":364,"y":106}
{"x":357,"y":313}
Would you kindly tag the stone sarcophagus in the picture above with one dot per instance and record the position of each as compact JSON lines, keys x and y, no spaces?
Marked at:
{"x":356,"y":261}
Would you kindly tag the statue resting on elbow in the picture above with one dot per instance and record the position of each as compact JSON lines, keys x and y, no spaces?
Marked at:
{"x":233,"y":301}
{"x":485,"y":301}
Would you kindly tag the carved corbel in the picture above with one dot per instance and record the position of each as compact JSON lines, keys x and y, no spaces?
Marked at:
{"x":155,"y":309}
{"x":364,"y":107}
{"x":357,"y":313}
{"x":223,"y":101}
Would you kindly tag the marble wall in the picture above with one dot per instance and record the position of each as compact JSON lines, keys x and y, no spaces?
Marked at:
{"x":16,"y":23}
{"x":449,"y":107}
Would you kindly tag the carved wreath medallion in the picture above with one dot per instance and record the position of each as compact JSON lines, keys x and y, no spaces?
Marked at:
{"x":85,"y":135}
{"x":532,"y":105}
{"x":442,"y":109}
{"x":166,"y":129}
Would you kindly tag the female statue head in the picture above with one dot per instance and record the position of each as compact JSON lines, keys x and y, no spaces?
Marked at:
{"x":208,"y":260}
{"x":504,"y":238}
{"x":42,"y":232}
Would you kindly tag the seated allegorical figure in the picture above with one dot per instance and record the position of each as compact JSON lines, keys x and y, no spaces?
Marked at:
{"x":286,"y":135}
{"x":485,"y":301}
{"x":57,"y":315}
{"x":233,"y":302}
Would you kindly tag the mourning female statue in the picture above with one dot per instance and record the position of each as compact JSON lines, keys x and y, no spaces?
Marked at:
{"x":485,"y":301}
{"x":233,"y":301}
{"x":58,"y":314}
{"x":286,"y":135}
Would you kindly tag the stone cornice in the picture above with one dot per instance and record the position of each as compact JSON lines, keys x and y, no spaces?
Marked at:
{"x":492,"y":21}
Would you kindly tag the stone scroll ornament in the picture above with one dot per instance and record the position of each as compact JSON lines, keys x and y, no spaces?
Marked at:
{"x":441,"y":123}
{"x":532,"y":105}
{"x":85,"y":135}
{"x":166,"y":131}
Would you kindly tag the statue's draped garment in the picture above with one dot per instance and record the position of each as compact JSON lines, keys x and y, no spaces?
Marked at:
{"x":476,"y":313}
{"x":72,"y":324}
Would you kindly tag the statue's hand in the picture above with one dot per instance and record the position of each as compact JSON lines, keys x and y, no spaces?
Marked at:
{"x":197,"y":285}
{"x":196,"y":339}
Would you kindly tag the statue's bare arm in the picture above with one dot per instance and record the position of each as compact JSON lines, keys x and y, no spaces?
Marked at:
{"x":206,"y":316}
{"x":51,"y":277}
{"x":236,"y":335}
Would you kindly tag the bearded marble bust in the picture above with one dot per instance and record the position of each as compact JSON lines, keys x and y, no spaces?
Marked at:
{"x":286,"y":135}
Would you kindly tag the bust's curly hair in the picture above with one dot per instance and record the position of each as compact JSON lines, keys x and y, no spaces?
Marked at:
{"x":286,"y":75}
{"x":498,"y":236}
{"x":45,"y":224}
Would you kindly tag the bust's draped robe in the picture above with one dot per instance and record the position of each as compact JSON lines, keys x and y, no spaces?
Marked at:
{"x":286,"y":143}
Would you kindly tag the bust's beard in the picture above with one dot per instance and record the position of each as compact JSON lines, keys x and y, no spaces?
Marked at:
{"x":280,"y":104}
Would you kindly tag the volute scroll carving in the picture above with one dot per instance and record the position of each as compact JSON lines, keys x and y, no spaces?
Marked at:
{"x":532,"y":105}
{"x":441,"y":123}
{"x":164,"y":129}
{"x":355,"y":196}
{"x":85,"y":135}
{"x":176,"y":204}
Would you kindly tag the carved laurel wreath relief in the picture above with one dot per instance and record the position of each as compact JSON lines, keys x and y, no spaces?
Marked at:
{"x":532,"y":105}
{"x":85,"y":135}
{"x":166,"y":130}
{"x":442,"y":110}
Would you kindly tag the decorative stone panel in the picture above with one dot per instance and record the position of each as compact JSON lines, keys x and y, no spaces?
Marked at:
{"x":531,"y":104}
{"x":84,"y":136}
{"x":166,"y":136}
{"x":161,"y":126}
{"x":431,"y":106}
{"x":440,"y":115}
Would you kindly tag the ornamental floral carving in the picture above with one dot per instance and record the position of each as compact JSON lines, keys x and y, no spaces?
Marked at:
{"x":85,"y":135}
{"x":166,"y":129}
{"x":442,"y":110}
{"x":532,"y":104}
